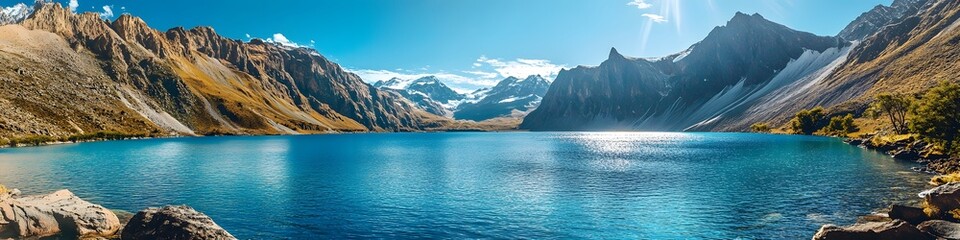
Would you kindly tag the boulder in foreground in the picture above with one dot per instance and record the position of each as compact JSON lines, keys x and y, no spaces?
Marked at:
{"x":893,"y":230}
{"x":943,"y":201}
{"x":173,"y":222}
{"x":59,"y":213}
{"x":911,"y":215}
{"x":941,"y":229}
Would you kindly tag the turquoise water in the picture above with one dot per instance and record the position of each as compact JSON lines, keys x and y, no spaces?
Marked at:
{"x":483,"y":185}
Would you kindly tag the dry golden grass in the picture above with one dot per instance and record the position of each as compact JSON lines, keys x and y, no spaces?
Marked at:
{"x":944,"y":179}
{"x":253,"y":107}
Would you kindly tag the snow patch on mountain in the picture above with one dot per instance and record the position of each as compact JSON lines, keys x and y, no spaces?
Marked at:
{"x":14,"y":14}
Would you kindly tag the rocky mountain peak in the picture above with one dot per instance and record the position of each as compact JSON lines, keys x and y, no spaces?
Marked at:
{"x":536,"y":78}
{"x":743,"y":21}
{"x":428,"y":80}
{"x":614,"y":54}
{"x":872,"y":21}
{"x":14,"y":14}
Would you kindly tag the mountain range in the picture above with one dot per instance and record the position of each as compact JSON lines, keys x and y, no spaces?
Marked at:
{"x":64,"y":73}
{"x":67,"y":74}
{"x":511,"y":97}
{"x":753,"y":70}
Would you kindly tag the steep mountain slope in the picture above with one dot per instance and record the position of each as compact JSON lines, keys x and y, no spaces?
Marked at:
{"x":182,"y":81}
{"x":908,"y":57}
{"x":733,"y":66}
{"x":509,"y":95}
{"x":871,"y":21}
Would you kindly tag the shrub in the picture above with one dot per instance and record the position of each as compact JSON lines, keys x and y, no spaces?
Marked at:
{"x":840,"y":126}
{"x":807,"y":121}
{"x":760,"y":127}
{"x":936,"y":117}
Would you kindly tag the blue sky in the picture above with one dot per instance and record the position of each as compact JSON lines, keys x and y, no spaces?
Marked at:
{"x":474,"y":43}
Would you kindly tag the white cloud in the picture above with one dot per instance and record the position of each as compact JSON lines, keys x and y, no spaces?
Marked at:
{"x":522,"y":68}
{"x":107,"y":12}
{"x":482,"y":74}
{"x":640,"y":4}
{"x":279,"y":38}
{"x":655,"y":18}
{"x":73,"y":5}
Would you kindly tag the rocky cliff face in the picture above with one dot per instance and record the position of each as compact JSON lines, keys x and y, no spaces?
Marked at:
{"x":734,"y":65}
{"x":129,"y":77}
{"x":871,"y":21}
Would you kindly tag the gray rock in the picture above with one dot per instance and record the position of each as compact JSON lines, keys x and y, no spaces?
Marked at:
{"x":941,"y":229}
{"x":59,"y":213}
{"x":943,"y":199}
{"x":893,"y":230}
{"x":911,"y":215}
{"x":173,"y":222}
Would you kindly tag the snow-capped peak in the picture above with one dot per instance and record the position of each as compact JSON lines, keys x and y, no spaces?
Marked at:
{"x":14,"y":14}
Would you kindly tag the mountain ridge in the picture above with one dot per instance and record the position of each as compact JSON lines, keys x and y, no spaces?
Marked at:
{"x":676,"y":92}
{"x":197,"y":82}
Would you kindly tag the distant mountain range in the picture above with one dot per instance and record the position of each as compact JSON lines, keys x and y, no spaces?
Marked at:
{"x":510,"y":97}
{"x":752,"y":70}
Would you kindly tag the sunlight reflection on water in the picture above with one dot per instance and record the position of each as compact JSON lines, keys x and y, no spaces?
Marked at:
{"x":483,"y":185}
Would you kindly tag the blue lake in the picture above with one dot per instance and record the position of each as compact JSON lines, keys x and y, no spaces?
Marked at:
{"x":483,"y":185}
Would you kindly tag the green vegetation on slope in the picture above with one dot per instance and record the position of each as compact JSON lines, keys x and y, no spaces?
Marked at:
{"x":936,"y":117}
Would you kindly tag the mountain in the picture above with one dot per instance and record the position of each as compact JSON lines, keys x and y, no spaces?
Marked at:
{"x":14,"y":14}
{"x":509,"y":95}
{"x":871,"y":21}
{"x":67,"y":74}
{"x":435,"y":89}
{"x":428,"y":93}
{"x":907,"y":56}
{"x":717,"y":78}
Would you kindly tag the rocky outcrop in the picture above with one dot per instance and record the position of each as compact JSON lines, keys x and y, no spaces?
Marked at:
{"x":59,"y":213}
{"x":893,"y":230}
{"x":173,"y":222}
{"x":938,"y":219}
{"x":911,"y":215}
{"x":943,"y":201}
{"x":880,"y":16}
{"x":910,"y":148}
{"x":940,"y":229}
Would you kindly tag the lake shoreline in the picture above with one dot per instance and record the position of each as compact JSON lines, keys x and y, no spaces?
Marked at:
{"x":59,"y":142}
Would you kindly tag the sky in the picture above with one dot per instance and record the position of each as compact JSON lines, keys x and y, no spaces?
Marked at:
{"x":475,"y":43}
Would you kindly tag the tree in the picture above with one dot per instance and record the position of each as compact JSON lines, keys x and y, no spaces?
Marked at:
{"x":895,"y":106}
{"x":760,"y":127}
{"x":840,"y":126}
{"x":807,"y":121}
{"x":937,"y":115}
